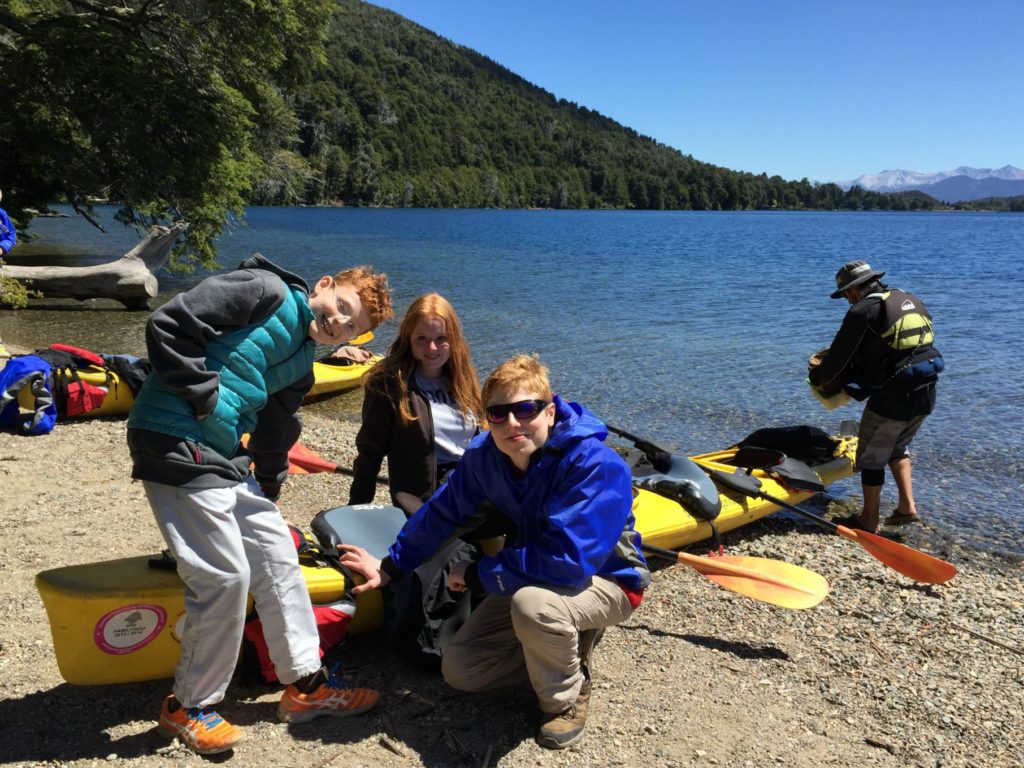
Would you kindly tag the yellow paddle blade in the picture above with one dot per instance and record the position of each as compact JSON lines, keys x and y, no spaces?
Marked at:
{"x":770,"y":581}
{"x":911,"y":562}
{"x":358,"y":341}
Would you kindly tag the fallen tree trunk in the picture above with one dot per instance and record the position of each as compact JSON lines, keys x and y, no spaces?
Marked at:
{"x":130,"y":280}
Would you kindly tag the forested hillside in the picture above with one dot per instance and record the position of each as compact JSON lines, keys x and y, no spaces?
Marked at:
{"x":403,"y":117}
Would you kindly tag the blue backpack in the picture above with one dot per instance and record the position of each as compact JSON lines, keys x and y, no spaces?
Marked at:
{"x":32,"y":372}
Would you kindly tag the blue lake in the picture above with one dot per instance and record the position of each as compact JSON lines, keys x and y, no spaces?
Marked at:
{"x":689,"y":328}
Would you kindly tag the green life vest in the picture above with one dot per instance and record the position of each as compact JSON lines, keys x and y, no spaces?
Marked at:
{"x":908,"y":326}
{"x":906,"y":332}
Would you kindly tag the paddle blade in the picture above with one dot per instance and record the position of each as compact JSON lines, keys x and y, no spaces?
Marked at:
{"x":293,"y":468}
{"x":364,"y":338}
{"x":303,"y":457}
{"x":770,"y":581}
{"x":911,"y":562}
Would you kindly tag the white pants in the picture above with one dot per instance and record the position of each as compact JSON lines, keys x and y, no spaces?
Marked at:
{"x":229,"y":542}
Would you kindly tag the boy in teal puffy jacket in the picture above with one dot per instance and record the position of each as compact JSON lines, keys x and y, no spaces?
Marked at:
{"x":234,"y":355}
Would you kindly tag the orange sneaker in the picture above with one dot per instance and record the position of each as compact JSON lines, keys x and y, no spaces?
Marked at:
{"x":337,"y":697}
{"x":201,"y":729}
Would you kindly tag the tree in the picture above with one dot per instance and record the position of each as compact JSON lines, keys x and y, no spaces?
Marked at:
{"x":171,"y":109}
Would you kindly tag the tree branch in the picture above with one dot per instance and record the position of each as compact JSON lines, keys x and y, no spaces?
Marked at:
{"x":13,"y":23}
{"x":85,"y":215}
{"x":129,"y":20}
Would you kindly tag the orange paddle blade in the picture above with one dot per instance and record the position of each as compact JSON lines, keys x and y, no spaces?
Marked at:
{"x":293,"y":468}
{"x":770,"y":581}
{"x":309,"y":461}
{"x":909,"y":561}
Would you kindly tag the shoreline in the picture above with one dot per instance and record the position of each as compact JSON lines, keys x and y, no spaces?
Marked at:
{"x":884,"y":672}
{"x":923,"y":537}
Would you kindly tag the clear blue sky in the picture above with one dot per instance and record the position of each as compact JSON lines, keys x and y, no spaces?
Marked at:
{"x":823,"y":89}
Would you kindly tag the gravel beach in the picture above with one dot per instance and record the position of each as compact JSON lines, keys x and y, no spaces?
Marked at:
{"x":885,"y":672}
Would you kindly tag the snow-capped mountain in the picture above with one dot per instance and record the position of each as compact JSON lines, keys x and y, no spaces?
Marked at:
{"x":899,"y":180}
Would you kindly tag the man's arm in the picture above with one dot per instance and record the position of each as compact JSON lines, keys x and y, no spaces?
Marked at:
{"x":843,"y":348}
{"x":446,"y":515}
{"x":8,"y":235}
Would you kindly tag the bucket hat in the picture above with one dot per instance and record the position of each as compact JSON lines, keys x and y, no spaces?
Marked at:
{"x":853,"y":273}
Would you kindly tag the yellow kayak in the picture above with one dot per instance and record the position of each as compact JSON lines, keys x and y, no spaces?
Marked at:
{"x":121,"y":621}
{"x":664,"y":522}
{"x":332,"y":377}
{"x":116,"y":402}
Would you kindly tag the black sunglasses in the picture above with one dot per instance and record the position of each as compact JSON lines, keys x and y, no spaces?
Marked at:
{"x":524,"y":410}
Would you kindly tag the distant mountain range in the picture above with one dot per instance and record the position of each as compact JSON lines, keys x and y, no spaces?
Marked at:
{"x":958,"y":185}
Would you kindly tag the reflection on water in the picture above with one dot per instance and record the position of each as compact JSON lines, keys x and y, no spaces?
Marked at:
{"x":100,"y":325}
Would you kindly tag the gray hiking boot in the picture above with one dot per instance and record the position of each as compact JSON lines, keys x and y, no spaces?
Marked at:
{"x":562,"y":730}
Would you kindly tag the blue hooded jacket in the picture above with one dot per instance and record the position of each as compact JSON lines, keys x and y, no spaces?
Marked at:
{"x":573,"y":508}
{"x":34,"y":373}
{"x":8,"y":235}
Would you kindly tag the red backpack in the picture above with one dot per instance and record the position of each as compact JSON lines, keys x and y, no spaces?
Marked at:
{"x":332,"y":620}
{"x":72,"y":395}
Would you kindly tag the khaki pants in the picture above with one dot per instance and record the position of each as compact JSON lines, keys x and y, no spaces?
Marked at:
{"x":532,"y":636}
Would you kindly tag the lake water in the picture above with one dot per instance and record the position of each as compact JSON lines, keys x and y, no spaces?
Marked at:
{"x":689,"y":328}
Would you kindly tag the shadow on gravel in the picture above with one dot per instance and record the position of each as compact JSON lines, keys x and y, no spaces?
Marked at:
{"x":421,"y":715}
{"x":464,"y":729}
{"x":71,"y":722}
{"x":739,"y":650}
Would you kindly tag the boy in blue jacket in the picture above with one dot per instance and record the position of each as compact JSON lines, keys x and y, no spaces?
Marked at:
{"x":573,"y":568}
{"x":235,"y":355}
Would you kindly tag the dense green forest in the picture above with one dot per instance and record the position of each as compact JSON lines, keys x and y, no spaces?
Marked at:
{"x":403,"y":117}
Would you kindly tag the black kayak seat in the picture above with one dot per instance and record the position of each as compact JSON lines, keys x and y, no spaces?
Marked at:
{"x":793,"y":472}
{"x":687,"y":484}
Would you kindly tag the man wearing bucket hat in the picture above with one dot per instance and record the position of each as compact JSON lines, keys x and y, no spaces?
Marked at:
{"x":883,"y":352}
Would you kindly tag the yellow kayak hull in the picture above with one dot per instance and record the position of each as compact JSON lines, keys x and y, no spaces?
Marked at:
{"x":665,"y":523}
{"x":117,"y":402}
{"x":121,"y":621}
{"x":329,"y":379}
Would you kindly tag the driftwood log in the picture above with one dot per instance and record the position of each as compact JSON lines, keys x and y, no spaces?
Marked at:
{"x":130,"y":279}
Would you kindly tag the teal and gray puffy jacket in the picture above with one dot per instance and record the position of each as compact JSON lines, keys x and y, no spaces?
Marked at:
{"x":231,"y":355}
{"x":252,"y":362}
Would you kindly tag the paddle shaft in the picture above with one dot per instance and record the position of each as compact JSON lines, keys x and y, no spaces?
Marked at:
{"x":715,"y":565}
{"x":910,"y":562}
{"x":313,"y":463}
